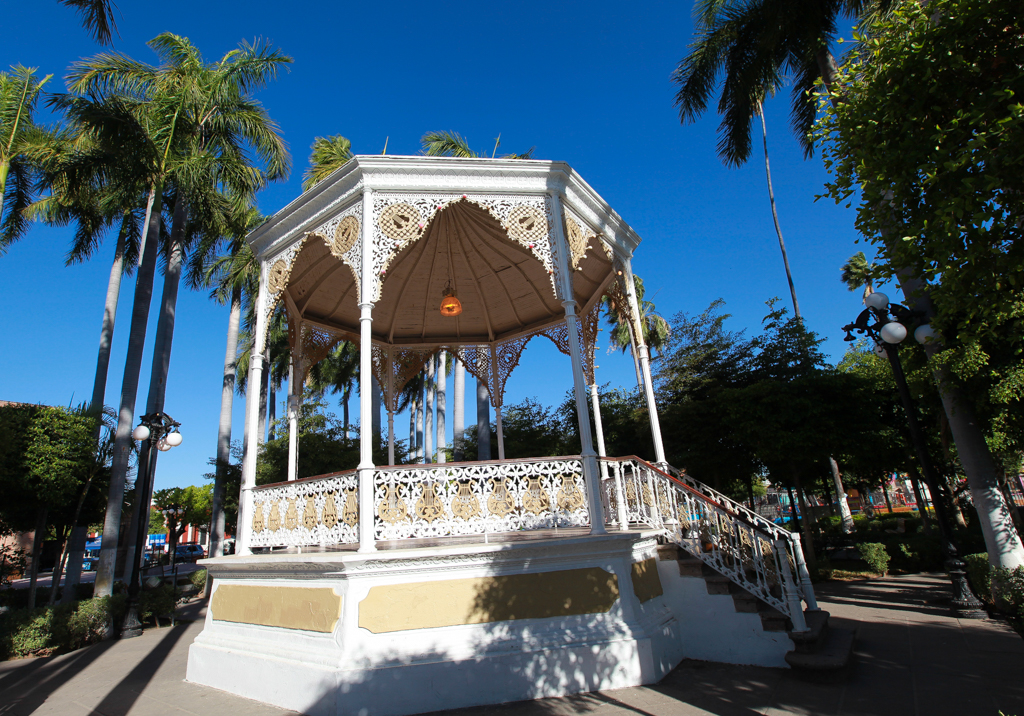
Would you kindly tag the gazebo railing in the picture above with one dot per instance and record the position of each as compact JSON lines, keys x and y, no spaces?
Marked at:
{"x":758,"y":555}
{"x":413,"y":501}
{"x":315,"y":511}
{"x":479,"y":497}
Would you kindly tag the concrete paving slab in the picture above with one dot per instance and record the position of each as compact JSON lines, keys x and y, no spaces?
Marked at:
{"x":912,"y":658}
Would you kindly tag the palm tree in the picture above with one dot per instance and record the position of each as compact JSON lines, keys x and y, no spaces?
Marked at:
{"x":19,"y":92}
{"x":775,"y":215}
{"x":328,"y":154}
{"x":97,"y":17}
{"x":655,"y":328}
{"x":337,"y":373}
{"x":858,"y":272}
{"x":230,"y":275}
{"x":453,"y":144}
{"x":203,"y":123}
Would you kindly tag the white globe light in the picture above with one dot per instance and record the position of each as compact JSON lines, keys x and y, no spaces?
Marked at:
{"x":141,"y":433}
{"x":174,"y":439}
{"x":893,"y":332}
{"x":878,"y":301}
{"x":880,"y":350}
{"x":925,"y":333}
{"x":162,"y":445}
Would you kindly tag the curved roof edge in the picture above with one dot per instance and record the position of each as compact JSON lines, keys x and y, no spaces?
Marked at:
{"x":438,"y":174}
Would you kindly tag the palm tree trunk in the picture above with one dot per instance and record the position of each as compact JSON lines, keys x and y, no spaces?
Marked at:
{"x":844,"y":506}
{"x":775,"y":214}
{"x":922,"y":505}
{"x":129,"y":390}
{"x":99,"y":383}
{"x":162,"y":350}
{"x":1001,"y":539}
{"x":483,"y":421}
{"x":459,"y":426}
{"x":808,"y":524}
{"x":428,"y":417}
{"x":412,"y":429}
{"x":375,"y":397}
{"x":419,"y":423}
{"x":37,"y":548}
{"x":344,"y":409}
{"x":268,"y":403}
{"x":59,"y":568}
{"x":227,"y":394}
{"x":79,"y":535}
{"x":441,"y":440}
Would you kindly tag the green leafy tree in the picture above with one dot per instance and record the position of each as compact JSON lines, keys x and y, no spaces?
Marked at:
{"x":181,"y":507}
{"x":930,"y":132}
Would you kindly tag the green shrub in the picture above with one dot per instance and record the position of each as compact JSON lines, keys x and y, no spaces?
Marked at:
{"x":156,"y":602}
{"x":198,"y":579}
{"x":979,"y":574}
{"x":876,"y":556}
{"x":823,"y":571}
{"x":1010,"y":590}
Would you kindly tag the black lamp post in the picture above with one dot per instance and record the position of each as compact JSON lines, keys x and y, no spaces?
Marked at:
{"x":159,"y":431}
{"x":887,"y":325}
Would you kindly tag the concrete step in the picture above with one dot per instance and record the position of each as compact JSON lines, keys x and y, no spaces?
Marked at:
{"x":830,"y":661}
{"x":774,"y":620}
{"x":812,"y":640}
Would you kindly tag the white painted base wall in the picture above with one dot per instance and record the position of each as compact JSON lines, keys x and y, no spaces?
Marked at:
{"x":355,"y":672}
{"x":712,"y":630}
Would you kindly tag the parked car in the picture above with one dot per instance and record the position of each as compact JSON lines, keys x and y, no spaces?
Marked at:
{"x":189,"y":552}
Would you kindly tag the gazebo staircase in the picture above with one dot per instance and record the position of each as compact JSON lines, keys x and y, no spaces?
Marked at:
{"x":736,"y":552}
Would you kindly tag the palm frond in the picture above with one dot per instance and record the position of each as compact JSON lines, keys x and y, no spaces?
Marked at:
{"x":97,"y":18}
{"x":446,"y":144}
{"x":327,"y":156}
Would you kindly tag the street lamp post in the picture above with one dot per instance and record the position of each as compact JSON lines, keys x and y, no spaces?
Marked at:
{"x":887,"y":324}
{"x":159,"y":431}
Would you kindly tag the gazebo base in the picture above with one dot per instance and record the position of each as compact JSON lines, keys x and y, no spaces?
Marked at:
{"x":416,"y":630}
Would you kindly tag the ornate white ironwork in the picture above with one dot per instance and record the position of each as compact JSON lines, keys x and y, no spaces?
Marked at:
{"x":315,"y":511}
{"x":479,"y":498}
{"x":342,"y":236}
{"x":400,"y":219}
{"x":736,"y":542}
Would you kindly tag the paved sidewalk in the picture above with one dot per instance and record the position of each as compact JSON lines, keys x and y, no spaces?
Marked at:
{"x":912,"y":660}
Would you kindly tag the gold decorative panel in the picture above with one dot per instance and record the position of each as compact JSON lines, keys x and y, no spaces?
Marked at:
{"x":452,"y":602}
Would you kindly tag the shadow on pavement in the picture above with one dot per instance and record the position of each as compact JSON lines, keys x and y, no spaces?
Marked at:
{"x":26,"y":687}
{"x":120,"y":699}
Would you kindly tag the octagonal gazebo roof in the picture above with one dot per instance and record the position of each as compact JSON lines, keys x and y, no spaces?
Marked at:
{"x":517,"y":238}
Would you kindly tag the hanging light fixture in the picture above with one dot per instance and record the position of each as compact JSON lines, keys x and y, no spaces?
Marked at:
{"x":450,"y":304}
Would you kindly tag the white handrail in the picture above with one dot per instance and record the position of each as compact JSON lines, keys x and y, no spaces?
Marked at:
{"x":759,"y":556}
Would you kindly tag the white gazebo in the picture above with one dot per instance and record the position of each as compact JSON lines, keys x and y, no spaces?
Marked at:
{"x":474,"y":570}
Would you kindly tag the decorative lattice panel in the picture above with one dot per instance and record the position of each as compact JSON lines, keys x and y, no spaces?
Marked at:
{"x":438,"y":501}
{"x":306,"y":513}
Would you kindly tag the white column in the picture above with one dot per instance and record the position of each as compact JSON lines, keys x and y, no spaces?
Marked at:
{"x":294,"y":403}
{"x":497,"y":400}
{"x":252,"y":423}
{"x":442,"y":405}
{"x":645,"y":366}
{"x":366,"y":516}
{"x":589,"y":457}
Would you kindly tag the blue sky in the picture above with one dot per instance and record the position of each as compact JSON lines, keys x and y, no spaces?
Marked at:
{"x":587,"y":83}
